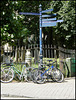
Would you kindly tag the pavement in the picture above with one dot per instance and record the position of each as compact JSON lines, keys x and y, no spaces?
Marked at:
{"x":30,"y":90}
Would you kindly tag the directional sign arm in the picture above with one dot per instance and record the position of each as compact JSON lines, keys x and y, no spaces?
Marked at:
{"x":45,"y":11}
{"x":25,"y":13}
{"x":49,"y":24}
{"x":52,"y":15}
{"x":59,"y":20}
{"x":49,"y":19}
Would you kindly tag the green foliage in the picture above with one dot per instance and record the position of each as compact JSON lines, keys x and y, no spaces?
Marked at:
{"x":22,"y":29}
{"x":19,"y":27}
{"x":65,"y":32}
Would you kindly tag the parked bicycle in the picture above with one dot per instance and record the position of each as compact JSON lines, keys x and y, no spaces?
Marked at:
{"x":9,"y":70}
{"x":40,"y":74}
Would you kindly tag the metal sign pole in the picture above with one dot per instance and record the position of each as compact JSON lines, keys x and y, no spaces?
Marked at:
{"x":40,"y":27}
{"x":43,"y":23}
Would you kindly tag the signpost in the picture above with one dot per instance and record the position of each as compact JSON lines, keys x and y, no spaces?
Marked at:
{"x":45,"y":11}
{"x":48,"y":22}
{"x":53,"y":15}
{"x":40,"y":27}
{"x":25,"y":13}
{"x":49,"y":19}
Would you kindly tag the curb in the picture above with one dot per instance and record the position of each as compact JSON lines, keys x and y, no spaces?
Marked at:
{"x":8,"y":95}
{"x":69,"y":78}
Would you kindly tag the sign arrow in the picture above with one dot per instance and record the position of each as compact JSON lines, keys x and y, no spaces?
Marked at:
{"x":50,"y":19}
{"x":50,"y":23}
{"x":59,"y":20}
{"x":46,"y":24}
{"x":45,"y":11}
{"x":47,"y":21}
{"x":52,"y":15}
{"x":25,"y":13}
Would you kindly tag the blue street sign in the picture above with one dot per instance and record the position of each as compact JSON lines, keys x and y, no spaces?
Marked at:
{"x":59,"y":20}
{"x":25,"y":13}
{"x":45,"y":11}
{"x":49,"y":19}
{"x":52,"y":15}
{"x":48,"y":24}
{"x":43,"y":23}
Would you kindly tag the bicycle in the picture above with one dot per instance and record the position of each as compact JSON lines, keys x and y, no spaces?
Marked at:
{"x":40,"y":74}
{"x":9,"y":71}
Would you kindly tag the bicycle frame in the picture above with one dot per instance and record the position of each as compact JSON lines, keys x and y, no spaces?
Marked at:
{"x":17,"y":71}
{"x":47,"y":70}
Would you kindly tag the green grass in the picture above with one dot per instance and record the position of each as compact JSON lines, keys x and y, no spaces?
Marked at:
{"x":35,"y":65}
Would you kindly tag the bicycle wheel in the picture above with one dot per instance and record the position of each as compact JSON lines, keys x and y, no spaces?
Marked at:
{"x":57,"y":75}
{"x":28,"y":74}
{"x":7,"y":75}
{"x":33,"y":74}
{"x":38,"y":78}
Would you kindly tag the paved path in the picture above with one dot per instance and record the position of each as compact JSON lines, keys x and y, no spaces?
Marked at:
{"x":30,"y":90}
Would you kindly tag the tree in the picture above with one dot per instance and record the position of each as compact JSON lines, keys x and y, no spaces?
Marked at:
{"x":11,"y":25}
{"x":64,"y":32}
{"x":18,"y":27}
